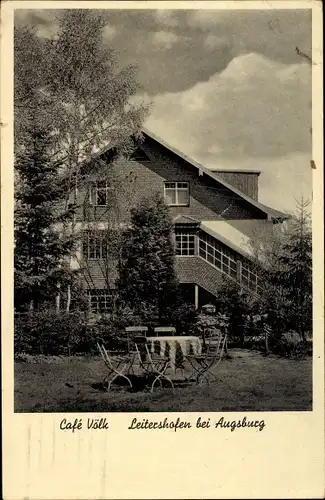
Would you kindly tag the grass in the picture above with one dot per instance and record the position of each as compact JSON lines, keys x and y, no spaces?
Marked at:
{"x":248,"y":382}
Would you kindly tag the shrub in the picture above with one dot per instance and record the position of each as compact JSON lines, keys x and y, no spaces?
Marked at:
{"x":236,"y":304}
{"x":111,"y":333}
{"x":183,"y":317}
{"x":52,"y":333}
{"x":205,"y":324}
{"x":291,"y":346}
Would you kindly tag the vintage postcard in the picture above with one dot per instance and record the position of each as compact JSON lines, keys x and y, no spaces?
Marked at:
{"x":162,"y":250}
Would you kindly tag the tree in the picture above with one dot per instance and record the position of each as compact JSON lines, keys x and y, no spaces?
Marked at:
{"x":296,"y":270}
{"x":73,"y":82}
{"x":40,"y":248}
{"x":285,"y":260}
{"x":147,"y":280}
{"x":70,"y":84}
{"x":236,"y":304}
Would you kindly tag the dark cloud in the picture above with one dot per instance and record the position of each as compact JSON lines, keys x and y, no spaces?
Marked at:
{"x":204,"y":41}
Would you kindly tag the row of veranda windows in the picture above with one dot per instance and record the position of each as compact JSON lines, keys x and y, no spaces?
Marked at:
{"x":95,"y":246}
{"x":218,"y":255}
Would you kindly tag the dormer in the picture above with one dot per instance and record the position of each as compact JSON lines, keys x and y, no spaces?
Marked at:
{"x":244,"y":180}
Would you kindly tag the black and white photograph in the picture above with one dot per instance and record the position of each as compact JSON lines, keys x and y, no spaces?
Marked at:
{"x":163,"y":206}
{"x":162,"y":270}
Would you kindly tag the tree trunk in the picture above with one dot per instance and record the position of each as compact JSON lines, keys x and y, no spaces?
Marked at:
{"x":57,"y":301}
{"x":68,"y":298}
{"x":266,"y":339}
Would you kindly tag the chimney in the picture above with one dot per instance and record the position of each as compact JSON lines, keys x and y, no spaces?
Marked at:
{"x":244,"y":180}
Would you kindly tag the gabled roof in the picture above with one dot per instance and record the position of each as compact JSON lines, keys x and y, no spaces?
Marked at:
{"x":271,"y":213}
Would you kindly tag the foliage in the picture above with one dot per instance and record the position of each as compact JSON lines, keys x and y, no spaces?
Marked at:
{"x":286,"y":276}
{"x":236,"y":304}
{"x":52,"y":333}
{"x":291,"y":346}
{"x":184,"y":317}
{"x":39,"y":245}
{"x":72,"y":83}
{"x":147,"y":279}
{"x":296,"y":271}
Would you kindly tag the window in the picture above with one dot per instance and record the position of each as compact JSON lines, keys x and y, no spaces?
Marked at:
{"x":185,"y":242}
{"x":99,"y":193}
{"x":249,"y":277}
{"x":218,"y":255}
{"x":177,"y":193}
{"x":94,"y":245}
{"x":100,"y":301}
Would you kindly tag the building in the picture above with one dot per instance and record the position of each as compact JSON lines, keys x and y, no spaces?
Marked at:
{"x":215,"y":213}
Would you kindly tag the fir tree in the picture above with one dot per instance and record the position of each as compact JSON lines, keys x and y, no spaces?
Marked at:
{"x":40,"y":246}
{"x":296,"y":270}
{"x":285,"y":258}
{"x":147,"y":277}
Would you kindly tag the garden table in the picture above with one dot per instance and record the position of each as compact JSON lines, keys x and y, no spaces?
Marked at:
{"x":176,"y":348}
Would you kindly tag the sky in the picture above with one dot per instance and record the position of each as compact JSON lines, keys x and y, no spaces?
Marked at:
{"x":231,"y":89}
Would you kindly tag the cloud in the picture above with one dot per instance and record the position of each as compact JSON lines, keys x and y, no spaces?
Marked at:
{"x":256,"y":113}
{"x":109,"y":32}
{"x":273,"y":33}
{"x":256,"y":107}
{"x":206,"y":18}
{"x":165,"y":17}
{"x":164,"y":39}
{"x":213,"y":41}
{"x":197,"y":55}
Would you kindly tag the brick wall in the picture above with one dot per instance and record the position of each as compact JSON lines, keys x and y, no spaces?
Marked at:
{"x":131,"y":181}
{"x":96,"y":274}
{"x":209,"y":200}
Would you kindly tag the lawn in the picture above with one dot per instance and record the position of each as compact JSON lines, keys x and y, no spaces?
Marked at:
{"x":248,"y":382}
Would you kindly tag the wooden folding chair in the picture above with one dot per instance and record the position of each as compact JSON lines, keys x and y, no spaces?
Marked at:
{"x":204,"y":364}
{"x":152,"y":364}
{"x":118,"y":366}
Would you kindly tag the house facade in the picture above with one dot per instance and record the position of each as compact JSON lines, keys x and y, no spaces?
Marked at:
{"x":215,"y":214}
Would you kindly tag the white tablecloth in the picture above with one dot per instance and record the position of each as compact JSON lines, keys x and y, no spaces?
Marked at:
{"x":175,"y":347}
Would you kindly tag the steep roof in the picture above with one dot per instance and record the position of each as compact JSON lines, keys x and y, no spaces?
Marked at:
{"x":271,"y":213}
